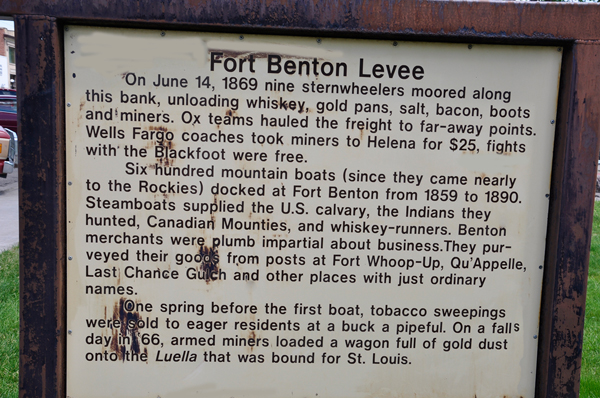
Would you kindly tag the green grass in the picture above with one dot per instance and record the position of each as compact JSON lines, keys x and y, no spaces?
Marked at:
{"x":590,"y":363}
{"x":9,"y":323}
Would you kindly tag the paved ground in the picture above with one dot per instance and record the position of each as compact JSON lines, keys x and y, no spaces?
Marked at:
{"x":9,"y":211}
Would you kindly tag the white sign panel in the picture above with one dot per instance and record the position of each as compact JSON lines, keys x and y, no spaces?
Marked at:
{"x":264,"y":216}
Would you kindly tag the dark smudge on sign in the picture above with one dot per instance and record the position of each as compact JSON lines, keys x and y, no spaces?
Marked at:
{"x":126,"y":318}
{"x":209,"y":266}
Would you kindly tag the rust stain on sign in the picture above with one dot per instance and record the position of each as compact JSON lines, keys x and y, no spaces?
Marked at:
{"x":209,"y":266}
{"x":129,"y":328}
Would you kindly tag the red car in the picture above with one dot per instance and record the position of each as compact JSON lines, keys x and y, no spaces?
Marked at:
{"x":8,"y":151}
{"x":8,"y":112}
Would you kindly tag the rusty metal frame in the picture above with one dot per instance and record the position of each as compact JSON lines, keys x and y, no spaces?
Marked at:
{"x":41,"y":113}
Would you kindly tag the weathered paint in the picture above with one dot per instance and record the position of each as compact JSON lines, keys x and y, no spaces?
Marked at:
{"x":91,"y":52}
{"x":567,"y":251}
{"x":42,"y":144}
{"x":486,"y":20}
{"x":42,"y":205}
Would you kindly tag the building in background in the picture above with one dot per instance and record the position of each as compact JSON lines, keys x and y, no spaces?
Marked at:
{"x":8,"y":72}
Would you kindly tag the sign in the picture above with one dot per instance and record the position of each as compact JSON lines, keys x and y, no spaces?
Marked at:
{"x":290,"y":216}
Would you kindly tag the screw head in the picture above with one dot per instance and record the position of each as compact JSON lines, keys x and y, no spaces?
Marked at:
{"x":70,"y":183}
{"x":535,"y":336}
{"x":541,"y":267}
{"x":70,"y":257}
{"x":68,"y":104}
{"x":318,"y":41}
{"x":470,"y":46}
{"x":67,"y":28}
{"x":162,"y":33}
{"x":241,"y":37}
{"x":395,"y":43}
{"x":551,"y":121}
{"x":70,"y":331}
